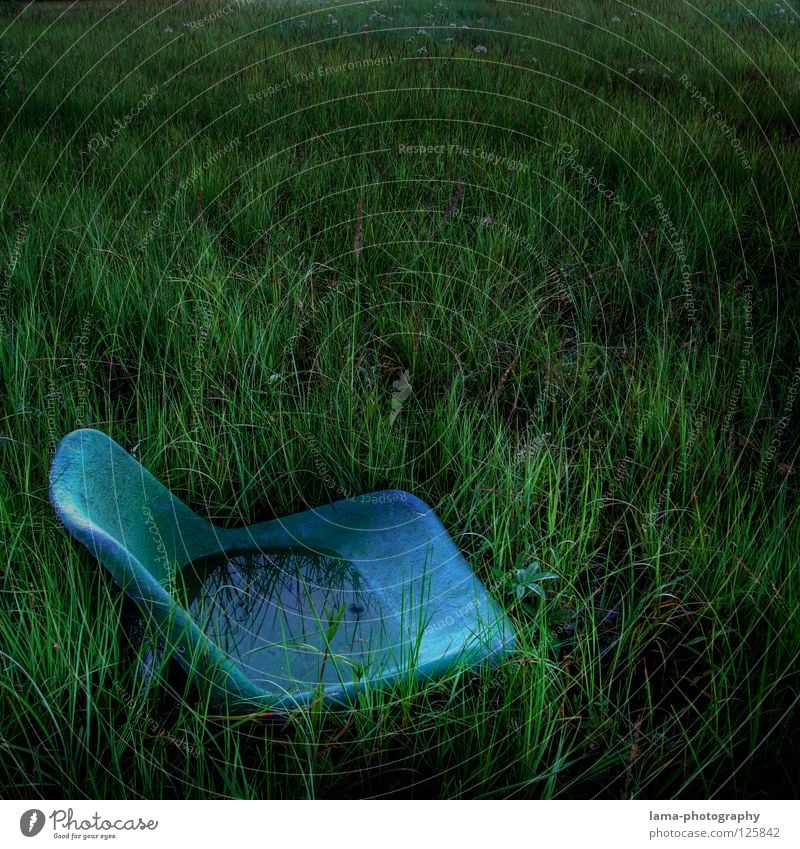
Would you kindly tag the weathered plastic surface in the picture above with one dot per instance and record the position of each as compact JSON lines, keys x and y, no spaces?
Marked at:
{"x":263,"y":621}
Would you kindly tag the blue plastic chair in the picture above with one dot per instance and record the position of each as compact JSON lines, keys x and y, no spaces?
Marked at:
{"x":364,"y":592}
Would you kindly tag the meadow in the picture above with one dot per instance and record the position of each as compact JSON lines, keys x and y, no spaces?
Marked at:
{"x":567,"y":230}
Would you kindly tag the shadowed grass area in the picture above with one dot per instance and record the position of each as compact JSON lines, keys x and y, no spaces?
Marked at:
{"x":226,"y":240}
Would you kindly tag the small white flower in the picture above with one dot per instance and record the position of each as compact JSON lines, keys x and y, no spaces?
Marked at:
{"x":421,"y":31}
{"x":168,"y":29}
{"x":616,"y":19}
{"x":422,"y":51}
{"x":480,"y":49}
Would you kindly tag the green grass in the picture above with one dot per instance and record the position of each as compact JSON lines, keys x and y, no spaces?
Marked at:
{"x":601,"y":382}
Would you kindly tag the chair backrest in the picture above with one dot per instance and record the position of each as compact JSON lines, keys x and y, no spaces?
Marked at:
{"x":128,"y":520}
{"x":143,"y":535}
